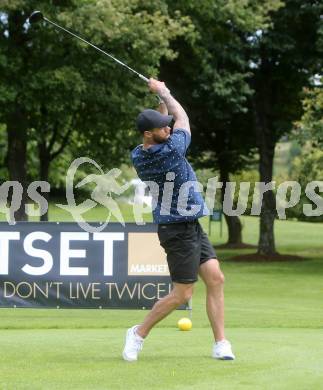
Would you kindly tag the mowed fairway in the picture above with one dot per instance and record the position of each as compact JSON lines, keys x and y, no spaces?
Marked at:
{"x":273,"y":316}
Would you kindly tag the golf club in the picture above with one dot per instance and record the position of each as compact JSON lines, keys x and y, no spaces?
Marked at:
{"x":37,"y":16}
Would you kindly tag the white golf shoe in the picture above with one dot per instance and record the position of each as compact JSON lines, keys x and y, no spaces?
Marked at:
{"x":222,"y":350}
{"x":133,"y":345}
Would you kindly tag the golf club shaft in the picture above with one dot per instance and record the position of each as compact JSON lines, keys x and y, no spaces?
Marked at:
{"x":97,"y":48}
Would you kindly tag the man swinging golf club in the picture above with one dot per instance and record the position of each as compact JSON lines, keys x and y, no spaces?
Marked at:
{"x":161,"y":159}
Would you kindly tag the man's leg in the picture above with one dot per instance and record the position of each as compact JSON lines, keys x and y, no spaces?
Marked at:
{"x":179,"y":295}
{"x":213,"y":278}
{"x":179,"y":241}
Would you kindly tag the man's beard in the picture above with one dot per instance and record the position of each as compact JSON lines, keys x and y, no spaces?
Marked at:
{"x":158,"y":139}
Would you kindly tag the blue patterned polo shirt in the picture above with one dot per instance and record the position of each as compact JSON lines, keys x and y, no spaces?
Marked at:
{"x":178,"y":196}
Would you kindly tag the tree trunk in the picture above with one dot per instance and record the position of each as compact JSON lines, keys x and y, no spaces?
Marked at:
{"x":266,"y":144}
{"x":16,"y":158}
{"x":234,"y":230}
{"x":233,"y":222}
{"x":44,"y":162}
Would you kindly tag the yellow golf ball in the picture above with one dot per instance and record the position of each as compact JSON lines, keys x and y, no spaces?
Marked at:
{"x":184,"y":324}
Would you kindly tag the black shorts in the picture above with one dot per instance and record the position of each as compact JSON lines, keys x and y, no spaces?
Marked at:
{"x":187,"y":247}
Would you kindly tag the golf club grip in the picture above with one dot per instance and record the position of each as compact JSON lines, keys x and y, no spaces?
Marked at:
{"x":143,"y":77}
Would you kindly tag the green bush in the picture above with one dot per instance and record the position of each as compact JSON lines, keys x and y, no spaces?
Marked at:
{"x":306,"y":168}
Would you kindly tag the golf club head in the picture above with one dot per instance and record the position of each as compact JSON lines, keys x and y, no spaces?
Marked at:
{"x":35,"y":17}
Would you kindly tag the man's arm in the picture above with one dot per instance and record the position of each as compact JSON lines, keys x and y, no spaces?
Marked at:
{"x":174,"y":108}
{"x":162,"y":108}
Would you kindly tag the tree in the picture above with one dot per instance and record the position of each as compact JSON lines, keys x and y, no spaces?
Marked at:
{"x":310,"y":127}
{"x":306,"y":169}
{"x":284,"y":58}
{"x":53,"y":86}
{"x":214,"y":68}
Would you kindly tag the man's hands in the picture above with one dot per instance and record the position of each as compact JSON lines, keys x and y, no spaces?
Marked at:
{"x":157,"y":87}
{"x":172,"y":105}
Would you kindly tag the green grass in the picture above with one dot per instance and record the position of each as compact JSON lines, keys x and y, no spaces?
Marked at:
{"x":273,"y":319}
{"x":89,"y":359}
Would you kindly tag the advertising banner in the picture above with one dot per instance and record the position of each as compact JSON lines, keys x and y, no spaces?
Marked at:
{"x":51,"y":264}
